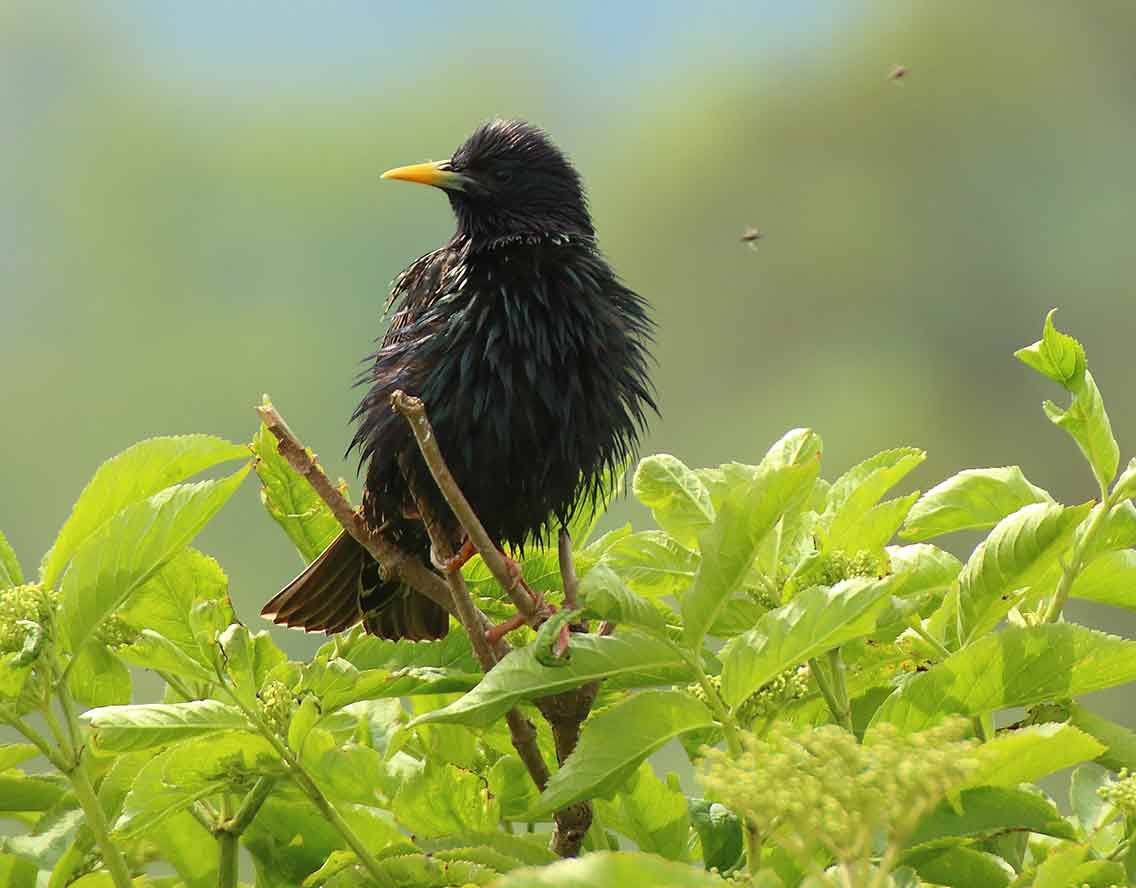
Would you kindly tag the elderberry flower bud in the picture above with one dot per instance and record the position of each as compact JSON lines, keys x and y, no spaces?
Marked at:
{"x":1121,"y":793}
{"x":22,"y":609}
{"x":810,"y":787}
{"x":276,"y":703}
{"x":775,"y":695}
{"x":115,"y":632}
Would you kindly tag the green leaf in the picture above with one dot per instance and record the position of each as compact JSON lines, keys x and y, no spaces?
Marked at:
{"x":986,"y":810}
{"x":98,"y":678}
{"x":1056,"y":355}
{"x":363,"y":651}
{"x":125,"y":552}
{"x":818,"y":619}
{"x":1119,"y":741}
{"x":1099,"y":874}
{"x":191,"y":770}
{"x":862,"y":486}
{"x":1109,"y":579}
{"x":615,"y":741}
{"x":418,"y":870}
{"x":30,"y":792}
{"x":1014,"y":667}
{"x":117,"y":729}
{"x":511,"y":785}
{"x":975,"y":499}
{"x":165,"y":604}
{"x":53,"y":834}
{"x":960,"y":867}
{"x":248,"y":658}
{"x":443,"y":799}
{"x":1087,"y":422}
{"x":151,"y":650}
{"x":608,"y":868}
{"x":604,"y":596}
{"x":527,"y":850}
{"x":17,"y":873}
{"x":291,"y":501}
{"x":653,"y":563}
{"x":1061,"y":358}
{"x":874,"y":529}
{"x":1021,"y":553}
{"x":676,"y":497}
{"x":730,"y":545}
{"x":653,"y":814}
{"x":1025,"y":755}
{"x":521,"y":676}
{"x":337,"y":683}
{"x":1090,"y":809}
{"x":10,"y":572}
{"x":1125,"y":487}
{"x":719,"y":832}
{"x":13,"y":754}
{"x":129,"y":478}
{"x":1059,"y":868}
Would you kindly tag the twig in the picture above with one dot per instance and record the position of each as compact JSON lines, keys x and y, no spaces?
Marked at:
{"x":391,"y":559}
{"x":415,"y":573}
{"x":567,"y":570}
{"x":564,"y":712}
{"x":414,"y":412}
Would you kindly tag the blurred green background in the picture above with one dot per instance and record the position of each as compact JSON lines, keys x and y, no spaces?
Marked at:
{"x":191,"y":215}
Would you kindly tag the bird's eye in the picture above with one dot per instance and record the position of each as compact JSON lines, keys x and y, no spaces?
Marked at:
{"x":502,"y":176}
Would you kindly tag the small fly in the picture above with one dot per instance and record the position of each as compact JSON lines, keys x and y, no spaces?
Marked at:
{"x":751,"y":236}
{"x":898,"y":72}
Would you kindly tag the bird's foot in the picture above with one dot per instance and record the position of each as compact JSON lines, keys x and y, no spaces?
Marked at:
{"x":495,"y":633}
{"x":458,"y":561}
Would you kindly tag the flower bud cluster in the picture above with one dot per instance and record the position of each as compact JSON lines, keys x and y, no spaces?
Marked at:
{"x":819,"y":786}
{"x":276,"y":703}
{"x":1121,"y":793}
{"x":775,"y":695}
{"x":22,"y":608}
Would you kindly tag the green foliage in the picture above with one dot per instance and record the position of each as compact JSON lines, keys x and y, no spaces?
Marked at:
{"x":835,"y":690}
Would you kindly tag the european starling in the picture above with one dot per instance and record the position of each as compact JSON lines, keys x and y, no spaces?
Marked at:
{"x":531,"y":357}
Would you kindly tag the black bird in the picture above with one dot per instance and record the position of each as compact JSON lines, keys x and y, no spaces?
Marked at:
{"x":532,"y":360}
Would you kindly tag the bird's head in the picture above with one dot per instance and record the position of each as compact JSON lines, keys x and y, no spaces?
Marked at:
{"x":507,"y":180}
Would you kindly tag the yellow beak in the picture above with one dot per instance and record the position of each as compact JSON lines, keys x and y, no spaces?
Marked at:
{"x":434,"y":174}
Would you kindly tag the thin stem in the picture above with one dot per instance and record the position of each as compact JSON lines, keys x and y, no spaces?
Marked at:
{"x":177,"y":684}
{"x":96,"y":821}
{"x":202,"y":814}
{"x":937,"y":646}
{"x":309,"y":787}
{"x":819,"y":672}
{"x":37,"y":739}
{"x":251,"y":805}
{"x":227,"y":859}
{"x":57,"y":731}
{"x":228,"y":844}
{"x":843,"y":711}
{"x":1076,"y":561}
{"x":732,"y":733}
{"x":567,"y":570}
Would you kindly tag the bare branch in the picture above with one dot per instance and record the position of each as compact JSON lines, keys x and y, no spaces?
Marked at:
{"x":392,"y":560}
{"x":414,"y":412}
{"x":567,"y":570}
{"x":564,"y":712}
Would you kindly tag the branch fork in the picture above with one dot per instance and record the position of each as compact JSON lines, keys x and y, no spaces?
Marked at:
{"x":564,"y":712}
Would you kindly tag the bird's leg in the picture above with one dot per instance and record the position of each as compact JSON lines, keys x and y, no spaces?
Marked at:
{"x":495,"y":633}
{"x":458,"y":561}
